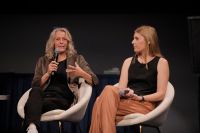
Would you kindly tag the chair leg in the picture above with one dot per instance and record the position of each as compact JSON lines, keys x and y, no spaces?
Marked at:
{"x":158,"y":129}
{"x":60,"y":126}
{"x":140,"y":128}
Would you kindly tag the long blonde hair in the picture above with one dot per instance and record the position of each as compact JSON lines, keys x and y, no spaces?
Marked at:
{"x":50,"y":46}
{"x":150,"y":35}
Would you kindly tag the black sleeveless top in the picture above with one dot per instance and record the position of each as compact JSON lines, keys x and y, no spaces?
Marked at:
{"x":143,"y":81}
{"x":58,"y":86}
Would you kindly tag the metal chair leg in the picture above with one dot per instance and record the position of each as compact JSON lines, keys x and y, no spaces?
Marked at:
{"x":140,"y":128}
{"x":60,"y":126}
{"x":158,"y":129}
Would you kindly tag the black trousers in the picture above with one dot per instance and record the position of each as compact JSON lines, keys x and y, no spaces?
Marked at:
{"x":38,"y":103}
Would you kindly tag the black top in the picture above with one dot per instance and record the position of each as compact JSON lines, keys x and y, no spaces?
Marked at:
{"x":58,"y":86}
{"x":143,"y":81}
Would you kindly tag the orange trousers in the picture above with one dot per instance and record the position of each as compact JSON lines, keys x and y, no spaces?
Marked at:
{"x":109,"y":109}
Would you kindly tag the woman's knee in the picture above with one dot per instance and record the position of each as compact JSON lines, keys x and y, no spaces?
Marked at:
{"x":110,"y":88}
{"x":36,"y":90}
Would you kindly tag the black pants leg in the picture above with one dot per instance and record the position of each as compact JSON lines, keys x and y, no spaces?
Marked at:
{"x":33,"y":107}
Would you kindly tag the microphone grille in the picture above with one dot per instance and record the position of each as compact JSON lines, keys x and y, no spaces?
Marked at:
{"x":55,"y":54}
{"x":55,"y":51}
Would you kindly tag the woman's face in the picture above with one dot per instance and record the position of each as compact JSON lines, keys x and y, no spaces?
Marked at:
{"x":139,"y":43}
{"x":61,"y":42}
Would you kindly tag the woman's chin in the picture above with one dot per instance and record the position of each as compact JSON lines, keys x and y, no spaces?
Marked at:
{"x":61,"y":50}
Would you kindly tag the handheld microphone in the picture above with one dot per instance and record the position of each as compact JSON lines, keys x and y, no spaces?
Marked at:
{"x":122,"y":93}
{"x":55,"y":57}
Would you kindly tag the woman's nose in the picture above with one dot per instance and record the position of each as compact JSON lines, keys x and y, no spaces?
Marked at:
{"x":61,"y":40}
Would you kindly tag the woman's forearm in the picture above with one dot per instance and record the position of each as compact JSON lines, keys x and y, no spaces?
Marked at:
{"x":44,"y":78}
{"x":87,"y":77}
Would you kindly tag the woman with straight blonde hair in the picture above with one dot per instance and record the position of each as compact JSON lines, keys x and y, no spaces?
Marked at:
{"x":143,"y":82}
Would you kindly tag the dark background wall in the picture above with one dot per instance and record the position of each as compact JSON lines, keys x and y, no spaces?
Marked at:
{"x":105,"y":41}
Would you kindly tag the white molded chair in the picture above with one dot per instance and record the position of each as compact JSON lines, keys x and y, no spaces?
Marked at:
{"x":73,"y":114}
{"x":156,"y":117}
